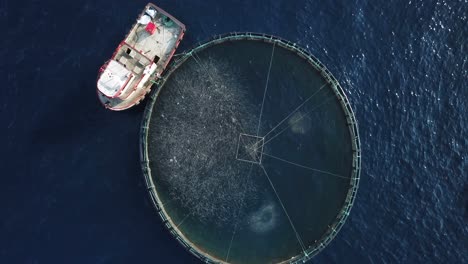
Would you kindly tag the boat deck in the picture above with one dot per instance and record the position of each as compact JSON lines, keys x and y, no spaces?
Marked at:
{"x":158,"y":46}
{"x":140,"y":49}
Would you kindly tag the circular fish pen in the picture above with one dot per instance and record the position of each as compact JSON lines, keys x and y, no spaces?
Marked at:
{"x":250,"y":151}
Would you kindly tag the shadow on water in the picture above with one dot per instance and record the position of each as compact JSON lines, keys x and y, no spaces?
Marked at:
{"x":80,"y":114}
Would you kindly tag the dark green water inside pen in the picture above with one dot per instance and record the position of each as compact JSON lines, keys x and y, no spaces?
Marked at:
{"x":238,"y":207}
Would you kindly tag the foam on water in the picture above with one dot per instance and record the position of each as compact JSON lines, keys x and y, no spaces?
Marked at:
{"x":264,"y":219}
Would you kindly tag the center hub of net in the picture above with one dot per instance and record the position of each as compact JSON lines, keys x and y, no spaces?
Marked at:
{"x":250,"y":148}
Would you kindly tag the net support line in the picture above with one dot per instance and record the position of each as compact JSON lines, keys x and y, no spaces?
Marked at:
{"x":235,"y":227}
{"x":295,"y":110}
{"x":299,"y":239}
{"x":305,"y":167}
{"x":266,"y":88}
{"x":198,"y":61}
{"x":181,"y":222}
{"x":299,"y":119}
{"x":230,"y":243}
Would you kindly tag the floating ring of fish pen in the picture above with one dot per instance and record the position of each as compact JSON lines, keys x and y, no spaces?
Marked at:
{"x":209,"y":107}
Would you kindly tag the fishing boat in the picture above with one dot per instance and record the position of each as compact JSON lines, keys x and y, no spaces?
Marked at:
{"x":140,"y":59}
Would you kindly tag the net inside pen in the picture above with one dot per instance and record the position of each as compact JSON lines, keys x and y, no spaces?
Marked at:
{"x":251,"y":151}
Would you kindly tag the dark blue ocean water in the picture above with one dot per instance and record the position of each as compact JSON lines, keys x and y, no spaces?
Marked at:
{"x":71,"y":189}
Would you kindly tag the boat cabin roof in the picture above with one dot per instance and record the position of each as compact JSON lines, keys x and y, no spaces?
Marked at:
{"x":114,"y":78}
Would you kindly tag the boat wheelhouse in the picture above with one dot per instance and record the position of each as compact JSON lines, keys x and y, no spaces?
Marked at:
{"x":140,"y":59}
